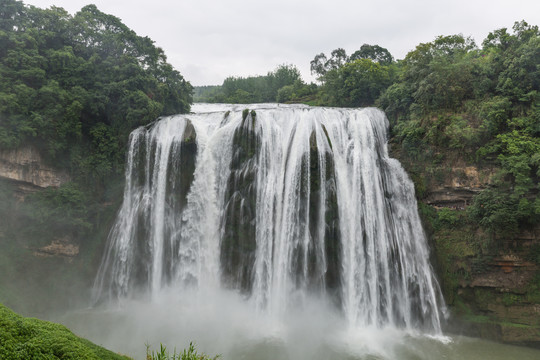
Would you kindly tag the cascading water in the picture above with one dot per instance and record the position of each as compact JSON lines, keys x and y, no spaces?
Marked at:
{"x":282,"y":203}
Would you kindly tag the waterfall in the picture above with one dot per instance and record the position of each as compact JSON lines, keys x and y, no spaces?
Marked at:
{"x":279,"y":203}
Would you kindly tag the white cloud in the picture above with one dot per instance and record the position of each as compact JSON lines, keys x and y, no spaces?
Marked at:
{"x":208,"y":40}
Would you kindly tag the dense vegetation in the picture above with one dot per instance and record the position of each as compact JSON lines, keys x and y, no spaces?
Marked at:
{"x":355,"y":80}
{"x":27,"y":338}
{"x":254,"y":89}
{"x":483,"y":105}
{"x":75,"y":86}
{"x":72,"y":87}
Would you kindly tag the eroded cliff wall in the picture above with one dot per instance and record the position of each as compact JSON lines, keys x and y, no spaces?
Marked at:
{"x":26,"y":166}
{"x":490,"y":280}
{"x":51,"y":236}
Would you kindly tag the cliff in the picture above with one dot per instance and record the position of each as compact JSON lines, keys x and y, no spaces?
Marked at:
{"x":458,"y":187}
{"x":490,"y":281}
{"x":26,"y":166}
{"x":50,"y":236}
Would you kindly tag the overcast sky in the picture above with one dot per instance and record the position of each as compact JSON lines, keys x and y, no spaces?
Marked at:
{"x":208,"y":40}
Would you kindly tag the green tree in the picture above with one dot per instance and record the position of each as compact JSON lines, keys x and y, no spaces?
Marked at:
{"x":358,"y":83}
{"x":253,"y":89}
{"x":439,"y":73}
{"x":321,"y":65}
{"x":373,"y":52}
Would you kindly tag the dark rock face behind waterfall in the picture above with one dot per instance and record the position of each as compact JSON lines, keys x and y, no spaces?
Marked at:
{"x":279,"y":203}
{"x":239,"y":224}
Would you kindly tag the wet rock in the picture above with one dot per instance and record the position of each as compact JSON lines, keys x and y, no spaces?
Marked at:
{"x":238,"y":244}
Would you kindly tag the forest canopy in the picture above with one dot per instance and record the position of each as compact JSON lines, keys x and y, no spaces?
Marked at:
{"x":481,"y":104}
{"x":75,"y":86}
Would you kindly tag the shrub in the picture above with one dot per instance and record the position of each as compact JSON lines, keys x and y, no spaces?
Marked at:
{"x":189,"y":354}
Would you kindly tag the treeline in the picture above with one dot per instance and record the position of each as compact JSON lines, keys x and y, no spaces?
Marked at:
{"x":276,"y":86}
{"x":355,"y":80}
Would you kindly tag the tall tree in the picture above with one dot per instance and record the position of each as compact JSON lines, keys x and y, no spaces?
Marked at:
{"x":373,"y":52}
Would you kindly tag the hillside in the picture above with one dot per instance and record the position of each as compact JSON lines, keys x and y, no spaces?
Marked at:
{"x":28,"y":338}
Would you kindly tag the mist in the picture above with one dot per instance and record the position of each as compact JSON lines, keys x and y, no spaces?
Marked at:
{"x":221,"y":313}
{"x":223,"y":322}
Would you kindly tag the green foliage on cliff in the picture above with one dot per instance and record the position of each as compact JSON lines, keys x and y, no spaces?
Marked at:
{"x":51,"y":245}
{"x":27,"y":338}
{"x":56,"y":210}
{"x":75,"y":86}
{"x":481,"y":105}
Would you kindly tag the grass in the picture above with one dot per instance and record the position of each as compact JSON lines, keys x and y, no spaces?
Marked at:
{"x":33,"y":339}
{"x":189,"y":354}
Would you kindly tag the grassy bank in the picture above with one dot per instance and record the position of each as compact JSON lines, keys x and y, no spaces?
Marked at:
{"x":29,"y":338}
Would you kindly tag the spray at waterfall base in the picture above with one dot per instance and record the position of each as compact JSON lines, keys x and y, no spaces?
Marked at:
{"x":281,"y":208}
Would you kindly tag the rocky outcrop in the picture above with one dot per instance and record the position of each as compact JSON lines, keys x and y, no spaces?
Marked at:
{"x":496,"y":293}
{"x":63,"y":247}
{"x":238,"y":246}
{"x":523,"y":335}
{"x":25,"y":165}
{"x":505,"y":276}
{"x":459,"y":187}
{"x":490,"y":281}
